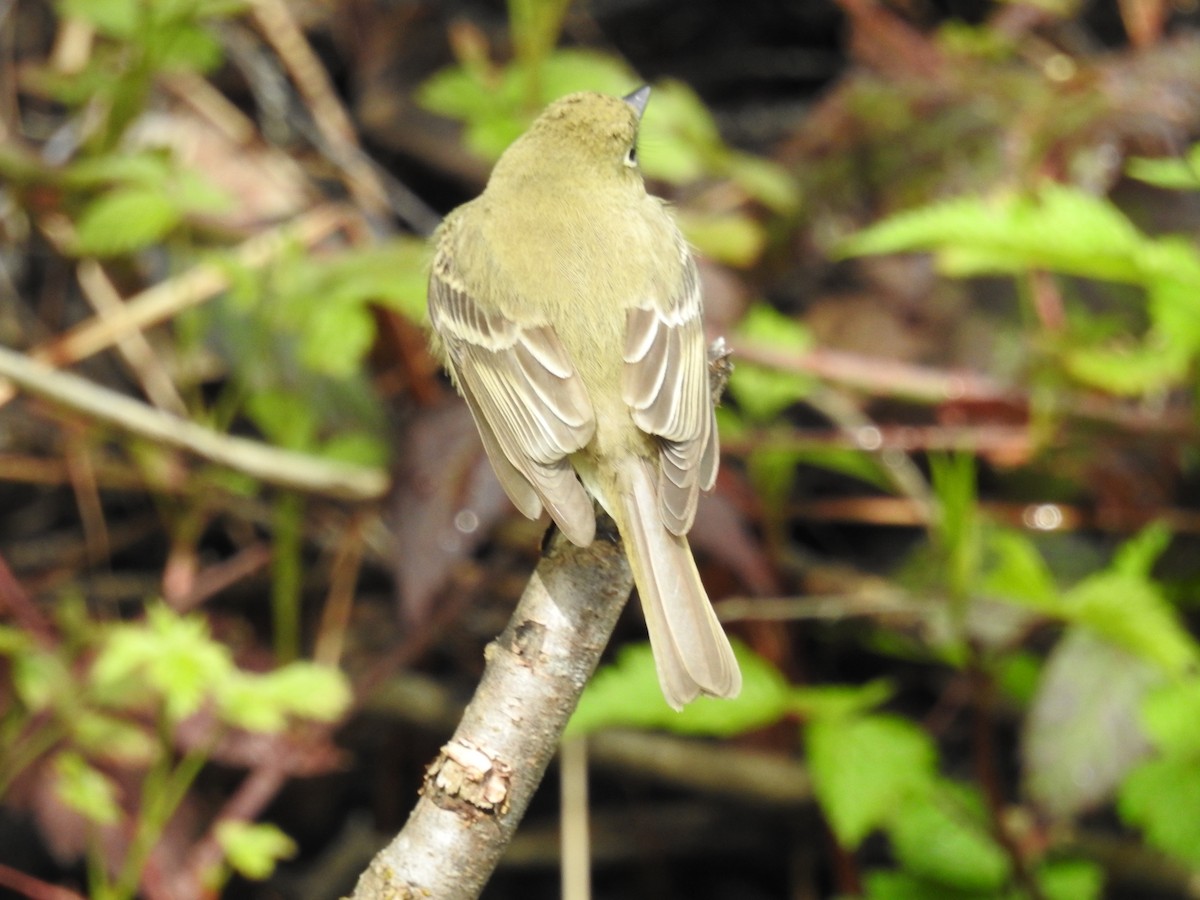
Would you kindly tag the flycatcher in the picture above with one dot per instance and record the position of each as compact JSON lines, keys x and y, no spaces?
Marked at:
{"x":566,"y":306}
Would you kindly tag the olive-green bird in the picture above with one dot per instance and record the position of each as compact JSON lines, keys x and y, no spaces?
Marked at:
{"x":566,"y":306}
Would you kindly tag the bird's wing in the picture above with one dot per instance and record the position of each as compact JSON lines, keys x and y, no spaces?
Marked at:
{"x":528,"y":402}
{"x":665,"y":384}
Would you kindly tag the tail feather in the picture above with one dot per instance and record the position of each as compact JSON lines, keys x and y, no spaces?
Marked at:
{"x":691,"y":652}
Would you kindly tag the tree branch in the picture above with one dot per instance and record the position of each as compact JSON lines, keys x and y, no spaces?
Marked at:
{"x":479,"y":786}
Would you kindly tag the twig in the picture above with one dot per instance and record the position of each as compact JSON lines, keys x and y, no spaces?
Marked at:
{"x":169,"y":298}
{"x":282,"y":468}
{"x":34,"y":888}
{"x":575,"y":842}
{"x":150,"y":371}
{"x":333,"y":122}
{"x":476,"y":791}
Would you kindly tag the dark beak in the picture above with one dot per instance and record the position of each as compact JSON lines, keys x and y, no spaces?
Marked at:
{"x":638,"y":99}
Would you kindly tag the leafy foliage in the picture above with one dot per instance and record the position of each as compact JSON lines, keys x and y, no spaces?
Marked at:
{"x":142,"y":681}
{"x":1065,"y":230}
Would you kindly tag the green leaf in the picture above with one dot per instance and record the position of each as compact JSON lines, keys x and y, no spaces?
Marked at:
{"x":840,"y":700}
{"x":41,"y":679}
{"x":765,"y":181}
{"x":1131,"y":612}
{"x":124,"y":220}
{"x":1017,"y":675}
{"x":1071,"y":879}
{"x":336,"y":338}
{"x":253,"y":849}
{"x":173,"y":656}
{"x":1081,"y":736}
{"x":1060,"y":228}
{"x":1015,"y":571}
{"x":888,"y":885}
{"x":1128,"y":370}
{"x":196,"y":194}
{"x":116,"y":18}
{"x":627,"y":695}
{"x":13,"y":641}
{"x":85,"y":789}
{"x":761,"y":392}
{"x":286,"y":418}
{"x":244,"y":702}
{"x":1137,"y":556}
{"x":185,"y":47}
{"x":310,"y":691}
{"x":864,"y":769}
{"x":1176,"y":173}
{"x":104,"y":736}
{"x":151,"y":169}
{"x":1162,"y":797}
{"x":1170,"y":714}
{"x":731,"y":238}
{"x":356,"y":447}
{"x":866,"y":467}
{"x":943,"y":837}
{"x":957,"y":525}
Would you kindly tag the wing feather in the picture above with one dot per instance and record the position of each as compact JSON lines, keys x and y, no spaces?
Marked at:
{"x":528,"y":402}
{"x":665,"y":385}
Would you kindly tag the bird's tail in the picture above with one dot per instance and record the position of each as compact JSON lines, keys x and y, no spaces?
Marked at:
{"x":691,"y":652}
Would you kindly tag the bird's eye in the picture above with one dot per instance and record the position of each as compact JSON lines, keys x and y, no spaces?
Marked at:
{"x":631,"y":157}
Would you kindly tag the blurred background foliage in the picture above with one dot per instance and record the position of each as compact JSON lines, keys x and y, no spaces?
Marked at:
{"x":250,"y":551}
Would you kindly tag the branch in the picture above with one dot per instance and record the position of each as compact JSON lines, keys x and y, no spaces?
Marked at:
{"x":479,"y":786}
{"x":283,"y":468}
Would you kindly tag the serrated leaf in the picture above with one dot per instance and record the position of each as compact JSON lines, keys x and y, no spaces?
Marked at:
{"x":124,"y":220}
{"x":1162,"y":797}
{"x":172,"y":655}
{"x":1014,"y":570}
{"x":865,"y":768}
{"x":943,"y":837}
{"x":1059,"y":228}
{"x":1137,"y":556}
{"x":626,"y":694}
{"x":1131,"y":612}
{"x":1081,"y":736}
{"x":253,"y":849}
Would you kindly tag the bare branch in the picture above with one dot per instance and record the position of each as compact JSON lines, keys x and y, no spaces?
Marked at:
{"x":283,"y":468}
{"x":478,"y":788}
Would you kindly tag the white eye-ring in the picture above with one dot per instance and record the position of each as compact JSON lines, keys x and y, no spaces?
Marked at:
{"x":631,"y":157}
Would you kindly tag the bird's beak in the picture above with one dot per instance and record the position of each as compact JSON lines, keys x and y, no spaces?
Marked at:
{"x":638,"y":99}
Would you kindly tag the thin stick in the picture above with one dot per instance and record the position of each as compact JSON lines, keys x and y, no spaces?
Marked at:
{"x":168,"y":298}
{"x":282,"y":468}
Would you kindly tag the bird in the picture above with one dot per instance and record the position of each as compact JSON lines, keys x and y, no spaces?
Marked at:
{"x":565,"y":304}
